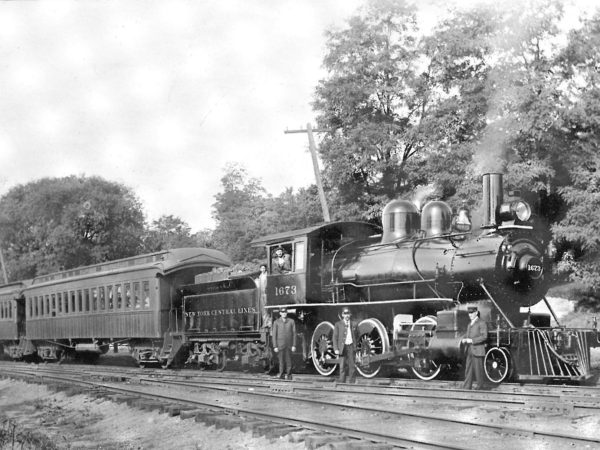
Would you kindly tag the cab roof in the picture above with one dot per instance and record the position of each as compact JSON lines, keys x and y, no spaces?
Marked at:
{"x":355,"y":230}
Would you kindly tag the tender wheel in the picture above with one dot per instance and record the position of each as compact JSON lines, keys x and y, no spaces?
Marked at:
{"x":373,"y":340}
{"x":321,"y":346}
{"x":497,"y":364}
{"x":424,"y":368}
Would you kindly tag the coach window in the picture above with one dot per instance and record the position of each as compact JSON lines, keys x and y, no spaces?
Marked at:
{"x":94,"y":299}
{"x":39,"y":307}
{"x":73,"y":301}
{"x":109,"y":295}
{"x":127,"y":288}
{"x":47,"y":305}
{"x":146,"y":294}
{"x":102,"y":298}
{"x":118,"y":294}
{"x":86,"y":297}
{"x":136,"y":295}
{"x":66,"y":301}
{"x":80,"y":300}
{"x":53,"y":307}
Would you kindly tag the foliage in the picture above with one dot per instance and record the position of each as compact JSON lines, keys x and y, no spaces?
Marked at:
{"x":168,"y":232}
{"x":61,"y":223}
{"x":371,"y":101}
{"x":244,"y":212}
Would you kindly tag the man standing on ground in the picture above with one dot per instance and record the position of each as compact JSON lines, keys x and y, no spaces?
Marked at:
{"x":345,"y":338}
{"x":477,"y":334}
{"x":284,"y":342}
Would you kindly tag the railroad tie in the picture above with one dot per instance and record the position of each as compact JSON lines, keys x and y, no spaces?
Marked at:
{"x":191,"y":414}
{"x":247,"y":426}
{"x":272,"y":430}
{"x":226,"y":421}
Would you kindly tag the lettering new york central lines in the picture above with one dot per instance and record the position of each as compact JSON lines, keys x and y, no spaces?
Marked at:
{"x":222,"y":312}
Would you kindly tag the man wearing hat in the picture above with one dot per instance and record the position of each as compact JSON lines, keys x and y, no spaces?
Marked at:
{"x":477,"y":334}
{"x":345,"y":338}
{"x":281,"y":262}
{"x":284,"y":342}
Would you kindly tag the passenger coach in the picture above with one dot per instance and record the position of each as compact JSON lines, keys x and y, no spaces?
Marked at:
{"x":130,"y":301}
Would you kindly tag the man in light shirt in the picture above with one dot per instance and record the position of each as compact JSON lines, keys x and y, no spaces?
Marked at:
{"x":345,"y":338}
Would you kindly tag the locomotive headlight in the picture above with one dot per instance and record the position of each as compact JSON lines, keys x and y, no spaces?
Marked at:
{"x":518,"y":210}
{"x":522,"y":211}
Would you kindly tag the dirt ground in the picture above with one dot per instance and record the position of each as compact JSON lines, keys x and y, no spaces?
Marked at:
{"x":31,"y":417}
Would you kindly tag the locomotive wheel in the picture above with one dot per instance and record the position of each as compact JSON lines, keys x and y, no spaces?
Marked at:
{"x":321,"y":346}
{"x":497,"y":364}
{"x":424,"y":368}
{"x":373,"y":340}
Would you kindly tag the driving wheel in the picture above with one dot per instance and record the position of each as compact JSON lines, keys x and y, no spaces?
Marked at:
{"x":321,"y":346}
{"x":373,"y":340}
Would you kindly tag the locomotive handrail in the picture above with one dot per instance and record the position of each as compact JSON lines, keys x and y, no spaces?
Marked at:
{"x":414,"y":260}
{"x":349,"y":283}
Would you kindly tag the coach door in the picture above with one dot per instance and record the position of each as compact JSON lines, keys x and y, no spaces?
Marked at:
{"x":20,"y":306}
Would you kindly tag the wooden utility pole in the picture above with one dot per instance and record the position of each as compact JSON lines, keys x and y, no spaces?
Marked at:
{"x":3,"y":267}
{"x":313,"y":153}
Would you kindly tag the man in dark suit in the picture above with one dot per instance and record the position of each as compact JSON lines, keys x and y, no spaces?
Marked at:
{"x":345,"y":338}
{"x":284,"y":342}
{"x":477,"y":334}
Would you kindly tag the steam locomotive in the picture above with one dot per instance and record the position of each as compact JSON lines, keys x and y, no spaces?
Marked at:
{"x":409,"y":283}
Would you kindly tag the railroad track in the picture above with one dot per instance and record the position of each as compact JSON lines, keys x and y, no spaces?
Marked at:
{"x":384,"y":413}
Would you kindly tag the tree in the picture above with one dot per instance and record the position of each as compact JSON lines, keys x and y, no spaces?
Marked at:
{"x":370,"y":99}
{"x":236,"y":210}
{"x":401,"y":105}
{"x":578,"y":233}
{"x":62,"y":223}
{"x":244,"y":212}
{"x":168,"y":232}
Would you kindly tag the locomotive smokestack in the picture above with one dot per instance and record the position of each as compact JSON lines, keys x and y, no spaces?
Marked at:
{"x":492,"y":198}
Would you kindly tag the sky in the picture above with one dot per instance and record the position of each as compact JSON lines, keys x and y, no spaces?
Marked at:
{"x":161,"y":95}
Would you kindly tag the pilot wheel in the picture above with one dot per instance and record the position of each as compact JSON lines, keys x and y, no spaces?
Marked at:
{"x":497,"y":364}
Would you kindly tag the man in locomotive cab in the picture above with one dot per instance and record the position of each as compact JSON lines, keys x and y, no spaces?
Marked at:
{"x":345,"y":337}
{"x":477,"y":334}
{"x":281,"y":262}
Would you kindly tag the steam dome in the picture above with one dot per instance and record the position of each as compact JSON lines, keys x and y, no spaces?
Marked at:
{"x":436,"y":218}
{"x":400,"y":219}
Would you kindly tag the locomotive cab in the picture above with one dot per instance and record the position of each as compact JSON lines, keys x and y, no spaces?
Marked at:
{"x":311,"y":251}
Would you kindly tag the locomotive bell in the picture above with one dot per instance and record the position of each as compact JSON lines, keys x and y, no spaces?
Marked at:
{"x":436,"y":218}
{"x":400,"y":219}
